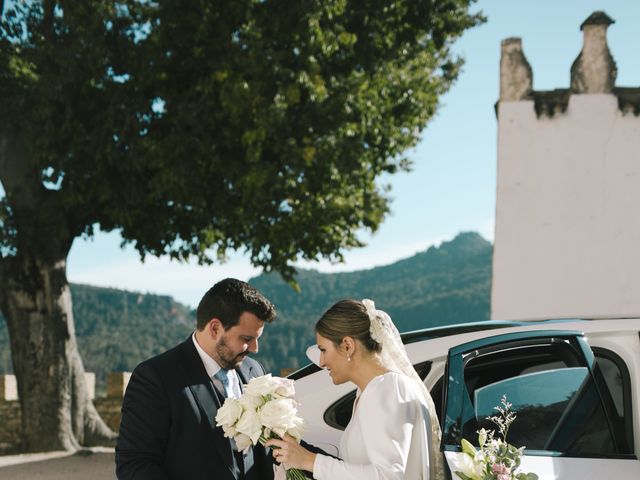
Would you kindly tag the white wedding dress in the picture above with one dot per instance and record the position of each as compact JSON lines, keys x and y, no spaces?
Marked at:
{"x":387,"y":438}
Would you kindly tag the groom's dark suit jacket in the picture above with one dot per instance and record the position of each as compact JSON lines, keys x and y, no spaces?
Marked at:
{"x":168,"y":428}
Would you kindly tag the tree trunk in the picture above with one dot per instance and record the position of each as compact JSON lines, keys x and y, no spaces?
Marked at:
{"x":57,"y":413}
{"x":35,"y":300}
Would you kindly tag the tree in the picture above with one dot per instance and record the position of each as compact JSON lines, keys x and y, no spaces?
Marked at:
{"x":195,"y":128}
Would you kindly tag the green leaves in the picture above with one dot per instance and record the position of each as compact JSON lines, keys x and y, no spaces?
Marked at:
{"x":496,"y":458}
{"x":526,"y":476}
{"x":22,"y":69}
{"x":468,"y":448}
{"x":277,"y":118}
{"x":463,"y":476}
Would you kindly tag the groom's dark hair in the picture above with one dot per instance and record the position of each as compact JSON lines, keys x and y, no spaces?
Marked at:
{"x":228,"y":299}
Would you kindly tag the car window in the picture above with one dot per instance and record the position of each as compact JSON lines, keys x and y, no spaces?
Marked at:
{"x":339,"y":413}
{"x":617,"y":393}
{"x":553,"y":393}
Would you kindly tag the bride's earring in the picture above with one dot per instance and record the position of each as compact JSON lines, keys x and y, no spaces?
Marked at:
{"x":348,"y":358}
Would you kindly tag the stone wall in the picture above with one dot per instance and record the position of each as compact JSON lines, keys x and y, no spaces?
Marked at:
{"x":108,"y":407}
{"x":10,"y":416}
{"x":109,"y":410}
{"x":9,"y":426}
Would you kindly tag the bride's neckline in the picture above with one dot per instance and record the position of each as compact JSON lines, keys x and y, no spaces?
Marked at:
{"x":374,"y":379}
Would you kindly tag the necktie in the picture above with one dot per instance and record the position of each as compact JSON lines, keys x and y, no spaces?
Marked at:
{"x":223,"y":376}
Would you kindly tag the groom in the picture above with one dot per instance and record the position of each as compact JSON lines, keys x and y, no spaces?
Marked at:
{"x":168,"y":429}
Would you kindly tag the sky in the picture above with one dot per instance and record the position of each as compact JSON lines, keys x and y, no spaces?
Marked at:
{"x":452,"y":186}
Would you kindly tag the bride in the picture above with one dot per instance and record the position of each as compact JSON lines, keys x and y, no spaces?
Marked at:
{"x":393,"y":432}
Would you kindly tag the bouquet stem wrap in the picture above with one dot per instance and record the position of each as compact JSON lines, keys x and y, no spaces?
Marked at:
{"x":292,"y":473}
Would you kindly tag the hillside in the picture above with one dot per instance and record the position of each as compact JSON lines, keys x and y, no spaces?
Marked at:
{"x":442,"y":285}
{"x":117,"y":329}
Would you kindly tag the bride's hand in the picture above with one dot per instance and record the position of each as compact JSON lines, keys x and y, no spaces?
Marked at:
{"x":287,"y":451}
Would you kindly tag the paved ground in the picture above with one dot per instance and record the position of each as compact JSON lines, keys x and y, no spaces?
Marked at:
{"x":95,"y":464}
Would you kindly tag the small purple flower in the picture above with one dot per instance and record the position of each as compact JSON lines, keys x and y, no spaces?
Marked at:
{"x":501,"y":469}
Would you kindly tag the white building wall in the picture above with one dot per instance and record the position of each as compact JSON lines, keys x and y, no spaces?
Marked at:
{"x":567,"y":240}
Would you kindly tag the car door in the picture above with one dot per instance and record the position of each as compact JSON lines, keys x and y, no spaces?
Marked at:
{"x":565,"y":412}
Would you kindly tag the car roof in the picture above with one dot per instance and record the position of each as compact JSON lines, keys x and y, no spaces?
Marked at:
{"x":449,"y":330}
{"x":457,"y":329}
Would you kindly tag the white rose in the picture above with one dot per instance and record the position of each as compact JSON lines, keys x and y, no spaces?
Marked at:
{"x":229,"y":431}
{"x":278,"y":414}
{"x":263,"y":385}
{"x":229,"y":413}
{"x":285,"y":387}
{"x":296,"y":428}
{"x":250,"y":425}
{"x":243,"y":442}
{"x":250,"y":401}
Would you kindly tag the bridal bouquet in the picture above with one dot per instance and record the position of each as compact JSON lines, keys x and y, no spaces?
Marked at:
{"x":265,"y":410}
{"x":496,"y":459}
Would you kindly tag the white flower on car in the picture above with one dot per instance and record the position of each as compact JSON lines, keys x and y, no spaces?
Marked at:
{"x":467,"y":462}
{"x":495,"y":459}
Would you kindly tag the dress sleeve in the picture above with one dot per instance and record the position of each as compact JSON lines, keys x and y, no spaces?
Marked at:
{"x":387,"y":419}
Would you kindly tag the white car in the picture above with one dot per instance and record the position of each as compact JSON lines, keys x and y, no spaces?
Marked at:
{"x":573,"y":383}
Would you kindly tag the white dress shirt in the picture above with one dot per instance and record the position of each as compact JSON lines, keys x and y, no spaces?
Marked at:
{"x":212,"y":367}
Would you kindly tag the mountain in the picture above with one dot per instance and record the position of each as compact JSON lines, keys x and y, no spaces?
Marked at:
{"x":440,"y":286}
{"x":443,"y":285}
{"x":117,"y":329}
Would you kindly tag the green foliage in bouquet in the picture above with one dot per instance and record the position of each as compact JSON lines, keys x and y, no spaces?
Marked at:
{"x":495,"y":459}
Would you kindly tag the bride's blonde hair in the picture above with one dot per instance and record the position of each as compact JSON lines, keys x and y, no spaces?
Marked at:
{"x":347,"y":318}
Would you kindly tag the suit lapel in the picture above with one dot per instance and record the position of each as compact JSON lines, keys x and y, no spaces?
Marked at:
{"x":208,"y":400}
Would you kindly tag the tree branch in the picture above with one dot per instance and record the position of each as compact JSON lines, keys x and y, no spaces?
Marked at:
{"x":3,"y":147}
{"x":38,"y":214}
{"x":16,"y":172}
{"x":47,"y":22}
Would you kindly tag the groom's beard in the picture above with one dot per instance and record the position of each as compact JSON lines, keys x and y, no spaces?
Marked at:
{"x":228,"y":359}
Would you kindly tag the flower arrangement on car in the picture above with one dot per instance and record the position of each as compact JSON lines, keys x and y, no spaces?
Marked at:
{"x":495,"y":459}
{"x":265,"y":410}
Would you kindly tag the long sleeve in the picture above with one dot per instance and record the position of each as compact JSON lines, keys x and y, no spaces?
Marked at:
{"x":144,"y":428}
{"x":386,"y":440}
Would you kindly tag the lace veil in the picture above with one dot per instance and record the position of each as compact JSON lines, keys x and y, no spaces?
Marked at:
{"x":394,"y":357}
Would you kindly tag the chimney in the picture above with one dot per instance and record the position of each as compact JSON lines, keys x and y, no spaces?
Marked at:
{"x":516,"y":77}
{"x":594,"y":71}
